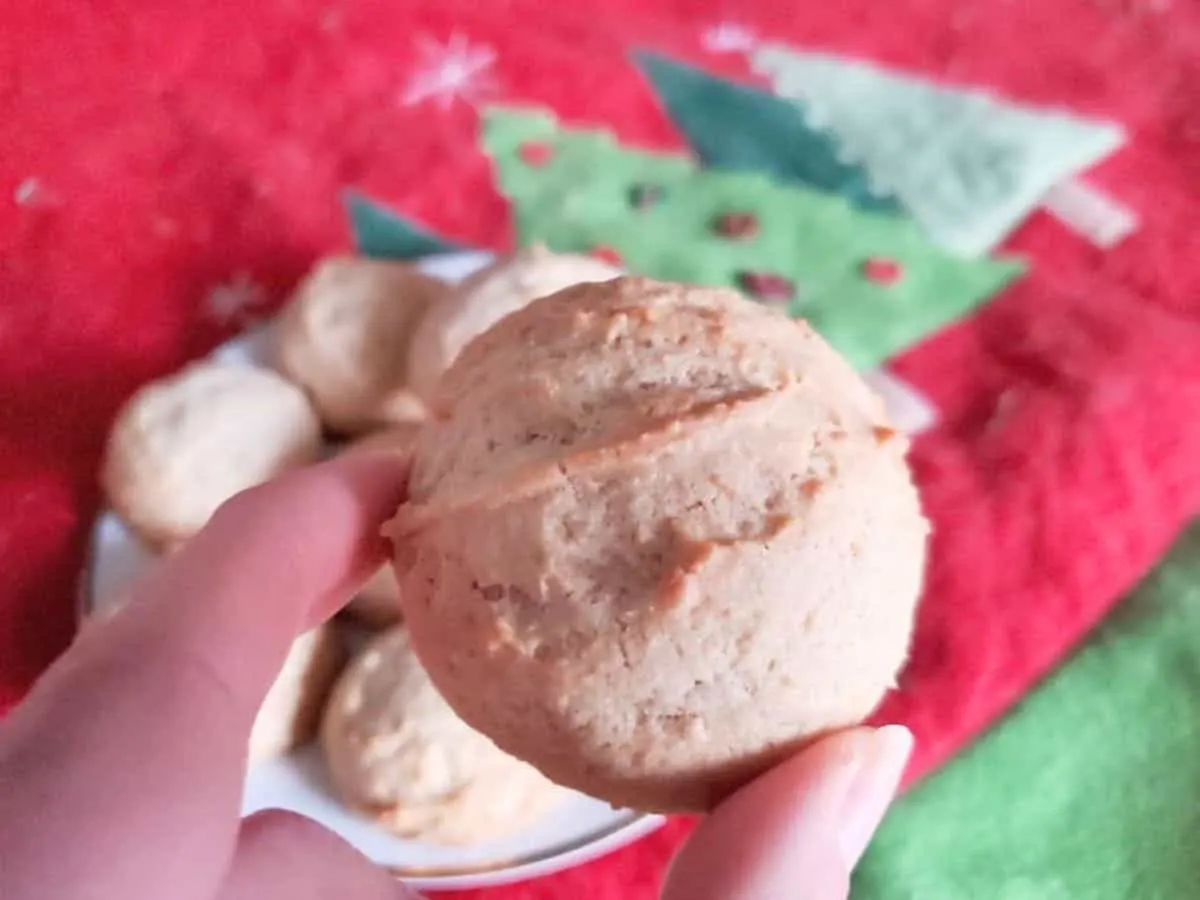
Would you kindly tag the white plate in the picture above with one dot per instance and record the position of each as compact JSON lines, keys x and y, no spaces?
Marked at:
{"x":578,"y":829}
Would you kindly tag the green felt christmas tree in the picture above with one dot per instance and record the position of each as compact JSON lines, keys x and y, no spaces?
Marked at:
{"x":966,"y":164}
{"x":871,"y":283}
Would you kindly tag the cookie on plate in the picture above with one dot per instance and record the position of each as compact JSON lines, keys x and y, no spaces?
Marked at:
{"x":345,"y":337}
{"x":291,"y":713}
{"x":183,"y":445}
{"x":397,"y":751}
{"x":486,"y":297}
{"x":377,"y":603}
{"x":657,"y":538}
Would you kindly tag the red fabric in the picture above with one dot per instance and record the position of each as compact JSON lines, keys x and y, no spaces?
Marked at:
{"x":174,"y":145}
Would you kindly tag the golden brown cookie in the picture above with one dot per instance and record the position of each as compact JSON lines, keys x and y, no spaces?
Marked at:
{"x":486,"y":297}
{"x":345,"y":337}
{"x":657,"y":538}
{"x":183,"y":445}
{"x":397,"y":751}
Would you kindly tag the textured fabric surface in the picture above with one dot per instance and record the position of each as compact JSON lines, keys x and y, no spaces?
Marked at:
{"x":810,"y":252}
{"x":968,"y":165}
{"x":1090,"y":790}
{"x":168,"y":173}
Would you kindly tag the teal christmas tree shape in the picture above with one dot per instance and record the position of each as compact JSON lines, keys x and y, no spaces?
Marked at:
{"x":739,"y":127}
{"x":871,"y":283}
{"x":967,"y":165}
{"x":383,"y":234}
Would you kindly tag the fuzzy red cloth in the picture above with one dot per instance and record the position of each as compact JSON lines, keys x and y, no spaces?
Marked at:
{"x":153,"y":151}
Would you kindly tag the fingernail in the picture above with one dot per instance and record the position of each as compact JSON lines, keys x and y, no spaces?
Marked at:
{"x":880,"y":767}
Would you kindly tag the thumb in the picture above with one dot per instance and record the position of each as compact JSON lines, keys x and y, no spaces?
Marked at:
{"x":798,"y":830}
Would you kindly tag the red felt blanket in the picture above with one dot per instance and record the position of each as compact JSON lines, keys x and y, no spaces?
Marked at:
{"x":150,"y":153}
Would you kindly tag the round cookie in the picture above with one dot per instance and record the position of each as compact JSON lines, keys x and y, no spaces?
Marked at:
{"x":396,"y":750}
{"x":657,"y":538}
{"x":377,"y":603}
{"x":183,"y":445}
{"x":291,"y":712}
{"x":485,"y":298}
{"x":345,"y":337}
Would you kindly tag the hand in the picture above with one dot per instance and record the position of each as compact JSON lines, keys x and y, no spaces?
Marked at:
{"x":122,"y":771}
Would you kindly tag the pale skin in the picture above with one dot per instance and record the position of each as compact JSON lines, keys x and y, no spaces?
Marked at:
{"x":121,"y":774}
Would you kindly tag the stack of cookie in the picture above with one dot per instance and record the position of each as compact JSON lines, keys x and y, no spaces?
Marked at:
{"x":357,"y":352}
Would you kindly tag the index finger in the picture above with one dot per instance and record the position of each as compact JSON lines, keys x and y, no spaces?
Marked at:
{"x":136,"y":738}
{"x":273,"y":562}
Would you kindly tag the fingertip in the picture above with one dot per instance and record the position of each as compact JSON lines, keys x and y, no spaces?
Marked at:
{"x":305,"y":535}
{"x":803,"y":823}
{"x":357,"y":487}
{"x":873,"y":789}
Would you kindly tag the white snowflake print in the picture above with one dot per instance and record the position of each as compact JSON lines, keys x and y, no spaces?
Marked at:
{"x":236,"y":301}
{"x":450,"y":71}
{"x":31,"y":192}
{"x":729,"y":37}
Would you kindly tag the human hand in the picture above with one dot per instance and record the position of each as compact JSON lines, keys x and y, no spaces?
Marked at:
{"x":122,"y":772}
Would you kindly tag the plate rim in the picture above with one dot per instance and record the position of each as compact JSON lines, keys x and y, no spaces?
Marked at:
{"x":566,"y":854}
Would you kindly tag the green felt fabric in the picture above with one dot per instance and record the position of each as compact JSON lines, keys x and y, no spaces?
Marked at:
{"x":1090,"y":790}
{"x":578,"y":199}
{"x":736,"y":126}
{"x":967,"y":165}
{"x":382,"y":234}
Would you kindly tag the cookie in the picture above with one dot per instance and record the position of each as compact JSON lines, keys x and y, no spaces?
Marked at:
{"x":377,"y":603}
{"x":345,"y":337}
{"x":397,"y":751}
{"x":657,"y":538}
{"x":185,"y":444}
{"x":491,"y":294}
{"x":291,"y":712}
